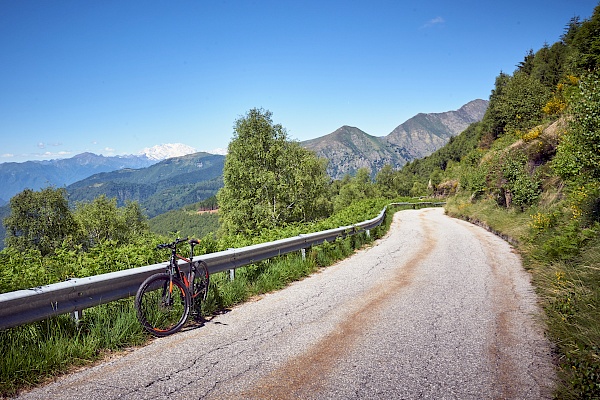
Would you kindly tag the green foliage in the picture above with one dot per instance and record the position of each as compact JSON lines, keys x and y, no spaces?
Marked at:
{"x":353,"y":189}
{"x":101,"y":220}
{"x":387,"y":182}
{"x":26,"y":269}
{"x":167,"y":185}
{"x":209,"y":204}
{"x":472,"y":177}
{"x":179,"y":196}
{"x":585,"y":39}
{"x":434,"y":167}
{"x":518,"y":103}
{"x":549,"y":64}
{"x":518,"y":186}
{"x":33,"y":352}
{"x":185,"y":223}
{"x":39,"y":220}
{"x":578,"y":155}
{"x":268,"y":180}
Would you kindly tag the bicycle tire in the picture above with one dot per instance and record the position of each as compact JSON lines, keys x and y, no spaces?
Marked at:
{"x":201,"y":281}
{"x":162,"y":309}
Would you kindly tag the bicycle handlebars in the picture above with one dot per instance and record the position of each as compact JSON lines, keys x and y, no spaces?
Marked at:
{"x":174,"y":244}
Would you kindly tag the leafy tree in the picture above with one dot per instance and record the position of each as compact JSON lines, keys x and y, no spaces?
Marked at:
{"x":578,"y":154}
{"x":269,"y":180}
{"x":102,"y":220}
{"x":359,"y":187}
{"x":418,"y":189}
{"x":39,"y":220}
{"x":387,"y":182}
{"x":516,"y":104}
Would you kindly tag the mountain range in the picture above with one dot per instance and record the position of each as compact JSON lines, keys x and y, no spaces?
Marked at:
{"x":349,"y":148}
{"x":166,"y":185}
{"x":145,"y":178}
{"x":35,"y":175}
{"x":183,"y":178}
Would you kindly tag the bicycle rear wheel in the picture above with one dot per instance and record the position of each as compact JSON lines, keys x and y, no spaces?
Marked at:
{"x":201,"y":281}
{"x":162,"y":308}
{"x":199,"y":286}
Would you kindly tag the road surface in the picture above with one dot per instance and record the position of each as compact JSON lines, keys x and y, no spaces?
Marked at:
{"x":438,"y":309}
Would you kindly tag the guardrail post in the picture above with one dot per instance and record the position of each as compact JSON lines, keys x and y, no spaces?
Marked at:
{"x":368,"y":232}
{"x":303,"y":252}
{"x":231,"y":274}
{"x":76,"y":315}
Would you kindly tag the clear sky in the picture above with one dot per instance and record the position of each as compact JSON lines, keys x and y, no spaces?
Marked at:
{"x":114,"y":77}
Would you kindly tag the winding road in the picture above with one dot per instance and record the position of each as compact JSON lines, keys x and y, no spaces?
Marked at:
{"x":437,"y":309}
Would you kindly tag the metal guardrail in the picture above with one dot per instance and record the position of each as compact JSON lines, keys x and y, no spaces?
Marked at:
{"x":74,"y":295}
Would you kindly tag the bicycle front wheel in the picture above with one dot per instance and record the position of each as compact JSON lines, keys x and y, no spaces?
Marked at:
{"x":162,"y":304}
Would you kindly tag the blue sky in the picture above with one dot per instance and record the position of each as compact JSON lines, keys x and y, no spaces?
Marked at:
{"x":114,"y":77}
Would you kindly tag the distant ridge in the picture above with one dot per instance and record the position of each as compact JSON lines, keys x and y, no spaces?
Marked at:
{"x":35,"y":175}
{"x":163,"y":186}
{"x":349,"y":149}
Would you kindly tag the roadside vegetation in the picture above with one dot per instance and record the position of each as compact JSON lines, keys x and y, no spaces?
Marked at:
{"x":36,"y":352}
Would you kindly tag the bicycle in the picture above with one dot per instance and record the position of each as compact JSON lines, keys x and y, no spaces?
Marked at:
{"x":164,"y":300}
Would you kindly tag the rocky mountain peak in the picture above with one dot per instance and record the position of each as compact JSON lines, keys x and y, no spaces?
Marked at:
{"x":349,"y":148}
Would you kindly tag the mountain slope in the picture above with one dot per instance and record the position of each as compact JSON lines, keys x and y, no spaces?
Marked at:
{"x":423,"y":134}
{"x":166,"y":185}
{"x":349,"y":148}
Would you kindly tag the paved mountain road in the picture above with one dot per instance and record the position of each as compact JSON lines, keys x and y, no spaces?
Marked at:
{"x":438,"y":309}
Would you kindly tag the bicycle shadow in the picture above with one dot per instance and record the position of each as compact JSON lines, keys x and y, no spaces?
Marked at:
{"x":196,"y":323}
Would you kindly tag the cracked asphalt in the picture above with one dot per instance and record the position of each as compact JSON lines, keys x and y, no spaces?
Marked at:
{"x":438,"y":309}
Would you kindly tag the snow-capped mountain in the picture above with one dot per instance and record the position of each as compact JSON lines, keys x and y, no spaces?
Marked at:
{"x":168,"y":150}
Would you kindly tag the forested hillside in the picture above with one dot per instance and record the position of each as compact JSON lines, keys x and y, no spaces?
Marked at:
{"x":194,"y":220}
{"x":14,"y":177}
{"x":164,"y":186}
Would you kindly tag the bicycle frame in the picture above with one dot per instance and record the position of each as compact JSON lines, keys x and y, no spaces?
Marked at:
{"x":173,"y":268}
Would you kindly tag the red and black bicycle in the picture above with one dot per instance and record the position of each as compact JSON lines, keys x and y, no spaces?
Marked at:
{"x":165,"y":300}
